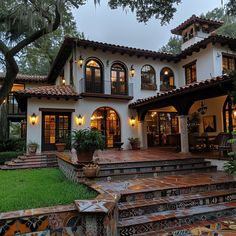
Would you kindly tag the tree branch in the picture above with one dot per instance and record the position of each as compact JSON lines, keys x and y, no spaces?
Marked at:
{"x":36,"y":35}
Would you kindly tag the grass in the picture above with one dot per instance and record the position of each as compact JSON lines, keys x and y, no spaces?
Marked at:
{"x":26,"y":189}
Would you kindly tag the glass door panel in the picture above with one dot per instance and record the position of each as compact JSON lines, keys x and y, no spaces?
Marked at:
{"x":56,"y":128}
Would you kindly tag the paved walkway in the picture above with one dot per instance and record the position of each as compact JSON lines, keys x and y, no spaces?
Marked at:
{"x":150,"y":154}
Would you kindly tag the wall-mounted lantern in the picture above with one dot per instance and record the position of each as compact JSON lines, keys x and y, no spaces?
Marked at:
{"x":79,"y":120}
{"x":80,"y":62}
{"x":132,"y":121}
{"x":132,"y":71}
{"x":63,"y":81}
{"x":33,"y":119}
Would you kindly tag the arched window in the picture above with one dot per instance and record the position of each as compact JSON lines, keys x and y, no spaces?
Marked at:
{"x":118,"y":79}
{"x":148,"y":78}
{"x":167,"y":79}
{"x":107,"y":121}
{"x":229,"y":114}
{"x":93,"y":77}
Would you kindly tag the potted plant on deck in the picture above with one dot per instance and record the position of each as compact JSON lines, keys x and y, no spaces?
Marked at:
{"x":135,"y":143}
{"x":32,"y":147}
{"x":85,"y":142}
{"x":61,"y":144}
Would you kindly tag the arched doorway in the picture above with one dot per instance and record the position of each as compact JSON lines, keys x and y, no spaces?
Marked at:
{"x":229,"y":114}
{"x":107,"y":121}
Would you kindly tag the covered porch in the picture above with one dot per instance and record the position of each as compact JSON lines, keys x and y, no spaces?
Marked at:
{"x":206,"y":99}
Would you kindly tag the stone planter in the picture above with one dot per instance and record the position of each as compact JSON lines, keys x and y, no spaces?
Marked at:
{"x":91,"y":170}
{"x":60,"y":147}
{"x":32,"y":148}
{"x":135,"y":146}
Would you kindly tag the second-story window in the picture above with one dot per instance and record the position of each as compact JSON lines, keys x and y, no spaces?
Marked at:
{"x":228,"y":63}
{"x":148,"y":78}
{"x":93,"y":77}
{"x":167,"y":79}
{"x":118,"y":79}
{"x":190,"y":73}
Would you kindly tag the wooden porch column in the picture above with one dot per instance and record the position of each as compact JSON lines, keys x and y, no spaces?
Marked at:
{"x":142,"y":135}
{"x":183,"y":125}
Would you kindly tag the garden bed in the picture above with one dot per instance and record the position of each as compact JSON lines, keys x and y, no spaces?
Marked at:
{"x":26,"y":189}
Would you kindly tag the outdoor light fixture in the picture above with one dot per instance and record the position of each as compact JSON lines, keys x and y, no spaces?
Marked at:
{"x":33,"y":119}
{"x":80,"y":62}
{"x":63,"y":81}
{"x":202,"y":109}
{"x":79,"y":120}
{"x":132,"y":71}
{"x":132,"y":121}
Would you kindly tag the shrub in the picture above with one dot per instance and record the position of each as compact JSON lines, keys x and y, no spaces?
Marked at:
{"x":87,"y":139}
{"x":8,"y":156}
{"x":16,"y":145}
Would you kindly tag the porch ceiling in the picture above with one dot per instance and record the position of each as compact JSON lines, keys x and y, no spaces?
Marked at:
{"x":182,"y":98}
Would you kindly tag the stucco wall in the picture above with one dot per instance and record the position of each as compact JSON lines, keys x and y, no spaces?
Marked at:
{"x":84,"y":107}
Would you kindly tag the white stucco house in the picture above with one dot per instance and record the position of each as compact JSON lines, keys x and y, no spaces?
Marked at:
{"x":129,"y":92}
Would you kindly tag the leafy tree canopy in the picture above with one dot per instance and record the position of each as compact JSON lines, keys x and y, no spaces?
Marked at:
{"x":173,"y":46}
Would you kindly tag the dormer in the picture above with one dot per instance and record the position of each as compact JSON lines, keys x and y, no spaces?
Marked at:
{"x":195,"y":29}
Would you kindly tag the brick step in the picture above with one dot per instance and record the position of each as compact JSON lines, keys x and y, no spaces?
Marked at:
{"x":141,"y":207}
{"x":11,"y":167}
{"x":163,"y":162}
{"x":35,"y":160}
{"x":174,"y":218}
{"x":151,"y":173}
{"x":211,"y":227}
{"x":152,"y":168}
{"x":20,"y":162}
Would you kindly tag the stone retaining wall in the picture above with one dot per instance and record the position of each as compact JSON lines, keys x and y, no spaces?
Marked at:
{"x":85,"y":218}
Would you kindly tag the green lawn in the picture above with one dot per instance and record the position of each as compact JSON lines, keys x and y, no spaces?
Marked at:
{"x":25,"y":189}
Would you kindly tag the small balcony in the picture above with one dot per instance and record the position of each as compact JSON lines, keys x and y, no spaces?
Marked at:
{"x":107,"y":89}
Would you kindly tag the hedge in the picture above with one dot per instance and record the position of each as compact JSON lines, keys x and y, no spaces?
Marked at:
{"x":8,"y":156}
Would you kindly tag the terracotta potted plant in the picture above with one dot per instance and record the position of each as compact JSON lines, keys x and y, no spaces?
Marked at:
{"x":85,"y":142}
{"x":91,"y":170}
{"x":61,"y":144}
{"x":135,"y":143}
{"x":32,"y":147}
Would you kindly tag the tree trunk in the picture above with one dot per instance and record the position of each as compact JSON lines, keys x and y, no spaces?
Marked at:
{"x":3,"y":122}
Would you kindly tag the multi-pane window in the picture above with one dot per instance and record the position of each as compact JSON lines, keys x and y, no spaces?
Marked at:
{"x":93,"y":77}
{"x":228,"y":63}
{"x":190,"y":73}
{"x":167,"y":79}
{"x":12,"y":104}
{"x":118,"y":79}
{"x":148,"y":78}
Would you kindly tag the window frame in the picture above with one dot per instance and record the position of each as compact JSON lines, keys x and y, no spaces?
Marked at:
{"x":189,"y":66}
{"x":118,"y":83}
{"x":166,"y":87}
{"x":92,"y":86}
{"x":148,"y":86}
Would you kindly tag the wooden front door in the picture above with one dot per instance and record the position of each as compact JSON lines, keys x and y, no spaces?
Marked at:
{"x":55,"y":128}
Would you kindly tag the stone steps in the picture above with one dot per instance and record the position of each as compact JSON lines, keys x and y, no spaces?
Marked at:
{"x":34,"y":161}
{"x":174,"y":218}
{"x":211,"y":227}
{"x":131,"y":170}
{"x":141,"y":207}
{"x":161,"y":162}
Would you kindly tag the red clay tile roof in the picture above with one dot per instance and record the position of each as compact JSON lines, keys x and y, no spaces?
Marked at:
{"x":187,"y":88}
{"x":21,"y":78}
{"x":69,"y":43}
{"x":57,"y":91}
{"x":195,"y":19}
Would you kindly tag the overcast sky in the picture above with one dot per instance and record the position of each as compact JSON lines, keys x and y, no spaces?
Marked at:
{"x":102,"y":24}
